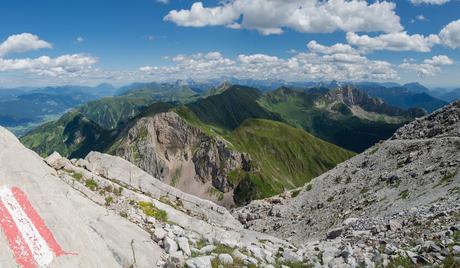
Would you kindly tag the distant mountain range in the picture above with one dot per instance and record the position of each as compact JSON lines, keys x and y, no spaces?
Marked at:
{"x":39,"y":105}
{"x":23,"y":109}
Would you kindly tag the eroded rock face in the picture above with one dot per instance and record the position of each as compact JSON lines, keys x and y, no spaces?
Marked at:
{"x":169,"y":148}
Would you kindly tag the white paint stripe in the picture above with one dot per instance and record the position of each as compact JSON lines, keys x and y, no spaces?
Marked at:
{"x":37,"y":244}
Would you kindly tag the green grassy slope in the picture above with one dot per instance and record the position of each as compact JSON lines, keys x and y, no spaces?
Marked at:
{"x":113,"y":111}
{"x":285,"y":157}
{"x":340,"y":128}
{"x":230,"y":108}
{"x":73,"y":136}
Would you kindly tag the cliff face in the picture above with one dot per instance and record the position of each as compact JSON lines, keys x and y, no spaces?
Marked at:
{"x":169,"y":148}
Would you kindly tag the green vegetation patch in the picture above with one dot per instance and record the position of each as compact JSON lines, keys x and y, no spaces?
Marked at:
{"x":91,"y":184}
{"x":152,"y":211}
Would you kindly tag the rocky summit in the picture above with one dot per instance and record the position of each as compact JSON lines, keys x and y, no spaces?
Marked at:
{"x":395,"y":205}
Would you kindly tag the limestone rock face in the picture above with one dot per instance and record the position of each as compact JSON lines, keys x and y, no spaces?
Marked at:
{"x":99,"y":238}
{"x":169,"y":148}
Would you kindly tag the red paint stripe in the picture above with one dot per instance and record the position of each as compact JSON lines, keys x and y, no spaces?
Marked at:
{"x":37,"y":221}
{"x":17,"y":244}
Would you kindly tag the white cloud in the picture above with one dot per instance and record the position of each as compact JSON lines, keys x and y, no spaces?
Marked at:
{"x":79,"y":39}
{"x":420,"y":17}
{"x":430,"y":2}
{"x":22,"y":43}
{"x":450,"y":35}
{"x":309,"y":16}
{"x":300,"y":66}
{"x":163,"y":1}
{"x":199,"y":16}
{"x":44,"y":65}
{"x":398,"y":41}
{"x":439,"y":60}
{"x":429,"y":67}
{"x":314,"y":47}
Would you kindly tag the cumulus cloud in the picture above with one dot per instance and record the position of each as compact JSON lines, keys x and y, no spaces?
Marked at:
{"x":44,"y":65}
{"x":300,"y":66}
{"x":398,"y":41}
{"x":429,"y":67}
{"x":313,"y":46}
{"x":308,"y":16}
{"x":450,"y":35}
{"x":430,"y":2}
{"x":21,"y":43}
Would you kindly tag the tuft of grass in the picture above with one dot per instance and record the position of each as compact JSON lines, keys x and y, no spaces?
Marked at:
{"x":450,"y":262}
{"x":176,"y":176}
{"x":330,"y":199}
{"x":118,"y":191}
{"x":223,"y":249}
{"x":212,"y":190}
{"x":77,"y":176}
{"x":364,"y":190}
{"x":108,"y":200}
{"x":404,"y":194}
{"x":308,"y":187}
{"x":401,"y":261}
{"x":448,"y":177}
{"x":91,"y":184}
{"x":295,"y":193}
{"x":124,"y":214}
{"x":150,"y":210}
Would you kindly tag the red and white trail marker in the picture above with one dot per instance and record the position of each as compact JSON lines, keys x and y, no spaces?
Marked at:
{"x":31,"y":242}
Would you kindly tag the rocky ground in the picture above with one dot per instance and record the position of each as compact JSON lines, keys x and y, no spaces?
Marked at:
{"x":395,"y":204}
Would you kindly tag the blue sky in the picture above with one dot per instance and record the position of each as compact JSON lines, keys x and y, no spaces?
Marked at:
{"x":88,"y":42}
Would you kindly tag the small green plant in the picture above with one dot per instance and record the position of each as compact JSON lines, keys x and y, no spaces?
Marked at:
{"x":308,"y":187}
{"x":118,"y":191}
{"x":150,"y":210}
{"x":77,"y":176}
{"x":404,"y":194}
{"x":222,"y":249}
{"x":330,"y":199}
{"x":400,"y":261}
{"x":91,"y":184}
{"x":364,"y":190}
{"x":295,"y":193}
{"x":108,"y":200}
{"x":456,"y":236}
{"x":124,"y":214}
{"x":348,"y":180}
{"x":448,"y":177}
{"x":450,"y":262}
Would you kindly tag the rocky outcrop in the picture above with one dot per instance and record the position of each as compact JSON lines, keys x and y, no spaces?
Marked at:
{"x":355,"y":97}
{"x":169,"y":148}
{"x":396,"y":202}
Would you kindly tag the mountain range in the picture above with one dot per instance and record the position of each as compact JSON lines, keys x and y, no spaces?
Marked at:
{"x":232,"y":146}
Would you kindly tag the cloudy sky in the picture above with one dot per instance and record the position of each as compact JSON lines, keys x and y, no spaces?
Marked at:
{"x":51,"y":42}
